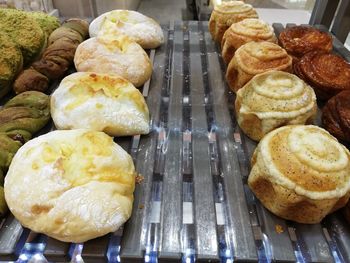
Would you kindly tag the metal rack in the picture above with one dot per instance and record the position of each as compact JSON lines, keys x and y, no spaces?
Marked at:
{"x":194,"y":203}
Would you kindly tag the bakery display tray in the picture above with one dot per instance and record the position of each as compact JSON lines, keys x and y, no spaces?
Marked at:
{"x":193,"y":204}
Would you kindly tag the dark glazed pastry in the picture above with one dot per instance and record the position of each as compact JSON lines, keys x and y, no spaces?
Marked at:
{"x":29,"y":79}
{"x":299,"y":40}
{"x":336,"y":116}
{"x":327,"y":73}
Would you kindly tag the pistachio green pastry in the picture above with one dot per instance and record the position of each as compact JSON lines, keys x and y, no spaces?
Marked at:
{"x":47,"y":23}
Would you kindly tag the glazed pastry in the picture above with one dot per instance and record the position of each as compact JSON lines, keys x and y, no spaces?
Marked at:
{"x":99,"y":102}
{"x":117,"y":56}
{"x":327,"y":73}
{"x":227,"y":13}
{"x":254,"y":58}
{"x":299,"y":40}
{"x":301,"y":173}
{"x":271,"y":100}
{"x":56,"y":59}
{"x":336,"y":116}
{"x":20,"y":118}
{"x":71,"y":185}
{"x":138,"y":27}
{"x":250,"y":29}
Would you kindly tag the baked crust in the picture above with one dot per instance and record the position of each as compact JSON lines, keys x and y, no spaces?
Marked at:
{"x":327,"y":73}
{"x":301,"y":173}
{"x":250,"y":29}
{"x":227,"y":13}
{"x":271,"y":100}
{"x":254,"y":58}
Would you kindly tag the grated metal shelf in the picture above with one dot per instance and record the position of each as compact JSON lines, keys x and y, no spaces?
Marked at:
{"x":194,"y":204}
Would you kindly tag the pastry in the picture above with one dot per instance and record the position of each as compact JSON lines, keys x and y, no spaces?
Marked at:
{"x":299,"y":40}
{"x":336,"y":116}
{"x":11,"y":62}
{"x":250,"y":29}
{"x":254,"y":58}
{"x":301,"y":173}
{"x":56,"y":59}
{"x":227,"y":13}
{"x":117,"y":56}
{"x":138,"y":27}
{"x":99,"y":102}
{"x":271,"y":100}
{"x":71,"y":185}
{"x":327,"y":73}
{"x":47,"y":22}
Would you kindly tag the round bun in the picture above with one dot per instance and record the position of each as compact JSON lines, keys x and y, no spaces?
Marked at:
{"x":71,"y":185}
{"x":250,"y":29}
{"x":336,"y":116}
{"x":254,"y":58}
{"x":327,"y":73}
{"x":119,"y":56}
{"x":140,"y":28}
{"x":99,"y":102}
{"x":301,"y":173}
{"x":271,"y":100}
{"x":227,"y":13}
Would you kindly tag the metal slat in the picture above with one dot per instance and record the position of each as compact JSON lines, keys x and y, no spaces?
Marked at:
{"x":242,"y":235}
{"x":95,"y":250}
{"x":278,"y":28}
{"x":132,"y":244}
{"x":171,"y":210}
{"x":204,"y":206}
{"x":56,"y":251}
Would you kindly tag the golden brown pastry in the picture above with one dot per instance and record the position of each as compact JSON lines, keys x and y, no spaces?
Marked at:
{"x":271,"y":100}
{"x":301,"y":173}
{"x":71,"y":185}
{"x":254,"y":58}
{"x":250,"y":29}
{"x":327,"y":73}
{"x":299,"y":40}
{"x":336,"y":116}
{"x":227,"y":13}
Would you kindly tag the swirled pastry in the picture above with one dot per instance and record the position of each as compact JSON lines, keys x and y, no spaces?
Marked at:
{"x":227,"y":13}
{"x":301,"y":173}
{"x":250,"y":29}
{"x":299,"y":40}
{"x":327,"y":73}
{"x":99,"y":102}
{"x":117,"y":56}
{"x":271,"y":100}
{"x":254,"y":58}
{"x":71,"y":185}
{"x":336,"y":116}
{"x":138,"y":27}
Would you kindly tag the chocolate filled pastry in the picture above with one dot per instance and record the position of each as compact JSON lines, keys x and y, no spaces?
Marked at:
{"x":327,"y":73}
{"x":271,"y":100}
{"x":36,"y":80}
{"x":301,"y":173}
{"x":299,"y":40}
{"x":250,"y":29}
{"x":336,"y":116}
{"x":254,"y":58}
{"x":227,"y":13}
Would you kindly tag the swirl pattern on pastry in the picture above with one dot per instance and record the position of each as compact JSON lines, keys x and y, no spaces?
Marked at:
{"x":299,"y":40}
{"x":336,"y":116}
{"x":254,"y":58}
{"x":301,"y":173}
{"x":327,"y":73}
{"x":250,"y":29}
{"x":227,"y":13}
{"x":271,"y":100}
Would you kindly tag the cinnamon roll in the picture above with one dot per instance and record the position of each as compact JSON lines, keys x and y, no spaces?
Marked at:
{"x":299,"y":40}
{"x":250,"y":29}
{"x":336,"y":116}
{"x":271,"y":100}
{"x":227,"y":13}
{"x":254,"y":58}
{"x":327,"y":73}
{"x":301,"y":173}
